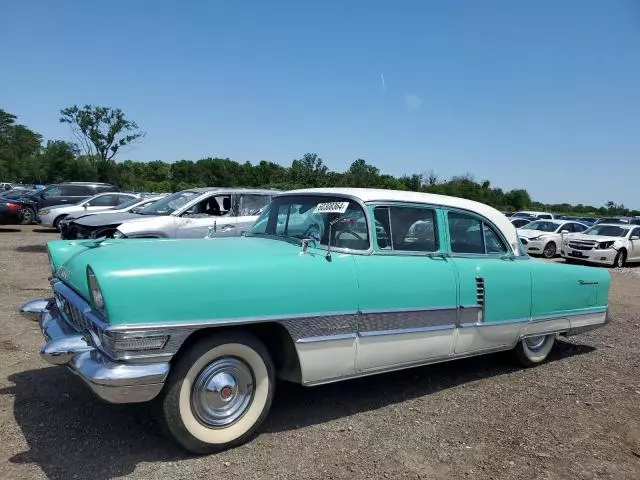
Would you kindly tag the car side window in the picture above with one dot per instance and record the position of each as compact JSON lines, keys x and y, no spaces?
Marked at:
{"x":76,"y":191}
{"x":408,"y":229}
{"x":52,"y":192}
{"x":252,"y":204}
{"x":469,"y":234}
{"x":544,"y":216}
{"x":102,"y":201}
{"x":568,"y":227}
{"x":636,"y":232}
{"x":213,"y":206}
{"x":120,"y":199}
{"x":578,"y":227}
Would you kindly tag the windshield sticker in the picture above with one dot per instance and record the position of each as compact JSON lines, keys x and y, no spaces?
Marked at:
{"x":331,"y":207}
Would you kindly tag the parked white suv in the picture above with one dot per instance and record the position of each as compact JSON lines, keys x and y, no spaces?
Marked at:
{"x":195,"y":213}
{"x":544,"y":237}
{"x":604,"y":244}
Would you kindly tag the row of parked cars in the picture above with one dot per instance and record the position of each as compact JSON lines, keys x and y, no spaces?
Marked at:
{"x":325,"y":285}
{"x":613,"y":241}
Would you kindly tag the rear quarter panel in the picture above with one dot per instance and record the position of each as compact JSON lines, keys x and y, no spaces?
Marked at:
{"x":560,"y":288}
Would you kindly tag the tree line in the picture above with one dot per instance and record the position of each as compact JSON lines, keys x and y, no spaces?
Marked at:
{"x":100,"y":133}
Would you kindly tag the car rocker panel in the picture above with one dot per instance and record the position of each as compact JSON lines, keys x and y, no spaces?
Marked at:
{"x":205,"y":325}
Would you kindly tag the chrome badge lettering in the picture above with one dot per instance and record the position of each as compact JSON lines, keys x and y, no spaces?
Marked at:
{"x":63,"y":273}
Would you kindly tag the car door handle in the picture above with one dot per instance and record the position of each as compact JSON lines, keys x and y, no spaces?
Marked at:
{"x":227,"y":228}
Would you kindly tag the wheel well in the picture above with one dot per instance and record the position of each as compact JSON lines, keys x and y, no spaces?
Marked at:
{"x":273,"y":335}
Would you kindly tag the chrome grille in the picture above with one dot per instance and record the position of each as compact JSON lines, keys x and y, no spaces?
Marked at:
{"x":581,"y":245}
{"x":73,"y":314}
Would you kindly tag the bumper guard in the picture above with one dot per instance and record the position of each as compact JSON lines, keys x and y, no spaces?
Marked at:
{"x":112,"y":381}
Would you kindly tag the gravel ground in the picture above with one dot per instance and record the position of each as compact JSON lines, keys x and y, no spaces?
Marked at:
{"x":577,"y":416}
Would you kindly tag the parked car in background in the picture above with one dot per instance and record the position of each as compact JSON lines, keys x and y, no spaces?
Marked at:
{"x":10,"y":213}
{"x":69,"y":229}
{"x":207,"y":326}
{"x":540,"y":215}
{"x":521,"y":221}
{"x":194,"y":213}
{"x":68,"y":193}
{"x":52,"y":216}
{"x":619,"y":220}
{"x":604,"y":244}
{"x":544,"y":237}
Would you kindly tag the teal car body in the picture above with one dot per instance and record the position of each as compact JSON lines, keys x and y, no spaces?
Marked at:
{"x":365,"y":281}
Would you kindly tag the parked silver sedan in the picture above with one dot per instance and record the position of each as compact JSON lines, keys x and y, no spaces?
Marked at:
{"x":52,"y":216}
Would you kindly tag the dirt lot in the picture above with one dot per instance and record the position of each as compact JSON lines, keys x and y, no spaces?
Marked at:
{"x":577,"y":416}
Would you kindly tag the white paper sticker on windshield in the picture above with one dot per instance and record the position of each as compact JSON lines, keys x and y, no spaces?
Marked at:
{"x":331,"y":207}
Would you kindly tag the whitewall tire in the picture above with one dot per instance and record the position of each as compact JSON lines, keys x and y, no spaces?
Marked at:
{"x":218,"y":393}
{"x":533,"y":351}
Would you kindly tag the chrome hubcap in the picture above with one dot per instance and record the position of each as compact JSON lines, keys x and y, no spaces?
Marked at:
{"x":222,"y":392}
{"x":535,"y":343}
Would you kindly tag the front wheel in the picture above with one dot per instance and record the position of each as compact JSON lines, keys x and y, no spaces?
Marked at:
{"x":532,"y":351}
{"x":621,"y":259}
{"x":549,"y":250}
{"x":56,"y":222}
{"x":218,"y":393}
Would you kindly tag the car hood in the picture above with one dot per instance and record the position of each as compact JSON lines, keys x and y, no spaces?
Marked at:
{"x":526,"y":233}
{"x":58,"y":209}
{"x":595,"y":238}
{"x":147,"y":281}
{"x":109,"y":218}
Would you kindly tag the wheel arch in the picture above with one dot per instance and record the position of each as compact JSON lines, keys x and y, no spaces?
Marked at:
{"x":273,"y":335}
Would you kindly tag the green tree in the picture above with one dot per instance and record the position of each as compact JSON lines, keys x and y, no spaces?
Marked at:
{"x":101,"y":132}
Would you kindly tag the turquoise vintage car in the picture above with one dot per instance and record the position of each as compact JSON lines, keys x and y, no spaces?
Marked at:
{"x":329,"y":284}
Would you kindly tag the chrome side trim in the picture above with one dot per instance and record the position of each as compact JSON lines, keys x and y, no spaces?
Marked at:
{"x":327,"y":338}
{"x":402,"y":331}
{"x":583,"y":311}
{"x":496,"y":323}
{"x":403,"y":320}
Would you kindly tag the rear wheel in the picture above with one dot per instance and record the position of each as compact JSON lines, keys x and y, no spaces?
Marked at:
{"x":218,"y":393}
{"x":549,"y":250}
{"x":532,"y":351}
{"x":621,"y":259}
{"x":28,"y":216}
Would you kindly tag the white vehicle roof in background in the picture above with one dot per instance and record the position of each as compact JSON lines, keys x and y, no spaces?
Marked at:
{"x":370,"y":195}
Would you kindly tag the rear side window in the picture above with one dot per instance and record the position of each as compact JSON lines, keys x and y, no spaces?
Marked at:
{"x":76,"y":191}
{"x":469,"y":234}
{"x":407,"y":229}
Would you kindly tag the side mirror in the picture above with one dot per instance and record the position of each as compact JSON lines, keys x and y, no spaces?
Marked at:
{"x":564,"y":231}
{"x":635,"y":237}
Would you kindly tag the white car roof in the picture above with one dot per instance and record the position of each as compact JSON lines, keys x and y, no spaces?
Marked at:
{"x":368,"y":195}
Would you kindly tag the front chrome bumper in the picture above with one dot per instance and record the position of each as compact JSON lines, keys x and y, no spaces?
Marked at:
{"x":112,"y":381}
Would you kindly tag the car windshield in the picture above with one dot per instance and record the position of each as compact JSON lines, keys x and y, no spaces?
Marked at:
{"x":297,"y":217}
{"x":607,"y":231}
{"x":15,"y":194}
{"x":170,"y":204}
{"x":131,"y":202}
{"x":542,"y":226}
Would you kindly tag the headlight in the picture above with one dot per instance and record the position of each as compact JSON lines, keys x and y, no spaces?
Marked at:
{"x":44,"y":212}
{"x":119,"y":234}
{"x":605,"y":245}
{"x":537,"y":238}
{"x":95,"y":292}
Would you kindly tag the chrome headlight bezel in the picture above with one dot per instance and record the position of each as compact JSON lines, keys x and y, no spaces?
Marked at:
{"x":118,"y":234}
{"x":606,"y":245}
{"x":97,"y":299}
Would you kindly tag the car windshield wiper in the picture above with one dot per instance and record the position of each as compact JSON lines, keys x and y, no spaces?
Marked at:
{"x":275,"y":236}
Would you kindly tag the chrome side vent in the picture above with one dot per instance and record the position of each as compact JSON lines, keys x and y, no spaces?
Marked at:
{"x":480,"y":297}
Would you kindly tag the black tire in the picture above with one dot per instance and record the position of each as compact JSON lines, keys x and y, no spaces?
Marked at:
{"x":181,"y":411}
{"x":530,"y":356}
{"x":56,"y":222}
{"x":621,"y":259}
{"x":550,"y":250}
{"x":28,"y":216}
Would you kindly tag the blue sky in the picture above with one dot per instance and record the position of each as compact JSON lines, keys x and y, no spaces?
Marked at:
{"x":539,"y":95}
